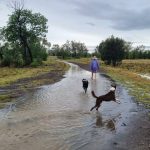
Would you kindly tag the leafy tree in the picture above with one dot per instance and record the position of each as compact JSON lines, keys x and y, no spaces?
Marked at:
{"x":24,"y":27}
{"x":39,"y":52}
{"x":10,"y":55}
{"x":112,"y":50}
{"x":54,"y":50}
{"x":45,"y":43}
{"x":70,"y":48}
{"x":78,"y":49}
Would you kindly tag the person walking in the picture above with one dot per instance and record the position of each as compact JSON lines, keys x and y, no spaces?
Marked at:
{"x":94,"y":66}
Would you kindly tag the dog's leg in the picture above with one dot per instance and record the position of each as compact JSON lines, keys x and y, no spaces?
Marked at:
{"x":85,"y":89}
{"x":93,"y":108}
{"x":117,"y":101}
{"x":98,"y":107}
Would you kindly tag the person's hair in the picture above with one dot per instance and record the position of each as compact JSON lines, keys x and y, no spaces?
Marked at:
{"x":94,"y":57}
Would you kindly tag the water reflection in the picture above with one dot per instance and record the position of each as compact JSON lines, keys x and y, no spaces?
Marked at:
{"x":99,"y":122}
{"x":109,"y":123}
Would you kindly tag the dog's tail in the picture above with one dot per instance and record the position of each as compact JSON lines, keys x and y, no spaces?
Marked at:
{"x":94,"y":94}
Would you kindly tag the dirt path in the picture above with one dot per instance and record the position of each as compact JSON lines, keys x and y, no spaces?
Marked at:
{"x":57,"y":117}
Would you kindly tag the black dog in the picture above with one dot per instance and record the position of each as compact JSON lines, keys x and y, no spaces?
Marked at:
{"x":85,"y":84}
{"x":110,"y":96}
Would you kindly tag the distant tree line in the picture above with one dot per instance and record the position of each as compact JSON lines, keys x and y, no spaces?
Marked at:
{"x":137,"y":53}
{"x":69,"y":49}
{"x":23,"y":39}
{"x":113,"y":50}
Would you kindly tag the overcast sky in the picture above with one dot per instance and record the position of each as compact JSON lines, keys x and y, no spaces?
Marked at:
{"x":90,"y":21}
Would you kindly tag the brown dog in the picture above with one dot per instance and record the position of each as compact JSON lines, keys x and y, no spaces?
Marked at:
{"x":110,"y":96}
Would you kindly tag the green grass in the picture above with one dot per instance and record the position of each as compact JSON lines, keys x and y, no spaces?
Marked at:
{"x":138,"y":65}
{"x":81,"y":60}
{"x":9,"y":75}
{"x":138,"y":87}
{"x":4,"y":98}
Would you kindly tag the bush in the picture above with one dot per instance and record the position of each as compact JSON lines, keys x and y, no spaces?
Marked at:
{"x":112,"y":50}
{"x":36,"y":62}
{"x":39,"y":52}
{"x":11,"y":56}
{"x":42,"y":54}
{"x":7,"y":58}
{"x":19,"y":62}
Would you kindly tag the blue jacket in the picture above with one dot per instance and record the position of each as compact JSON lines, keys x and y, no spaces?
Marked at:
{"x":94,"y":65}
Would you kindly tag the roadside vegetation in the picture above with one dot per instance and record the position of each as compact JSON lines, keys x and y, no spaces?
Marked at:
{"x":10,"y":75}
{"x":16,"y":81}
{"x":24,"y":60}
{"x":140,"y":66}
{"x":137,"y":86}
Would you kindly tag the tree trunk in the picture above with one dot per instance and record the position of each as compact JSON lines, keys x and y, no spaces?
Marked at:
{"x":1,"y":54}
{"x":27,"y":51}
{"x":114,"y":63}
{"x":29,"y":57}
{"x":23,"y":40}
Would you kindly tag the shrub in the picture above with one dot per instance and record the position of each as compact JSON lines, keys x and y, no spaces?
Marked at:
{"x":36,"y":62}
{"x":7,"y":57}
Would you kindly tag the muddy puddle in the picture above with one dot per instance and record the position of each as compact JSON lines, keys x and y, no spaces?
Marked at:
{"x":57,"y":116}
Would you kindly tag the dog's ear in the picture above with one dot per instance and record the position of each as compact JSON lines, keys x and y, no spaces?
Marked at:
{"x":83,"y":80}
{"x":113,"y":85}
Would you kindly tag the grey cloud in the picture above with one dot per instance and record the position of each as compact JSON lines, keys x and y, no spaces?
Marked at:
{"x":90,"y":24}
{"x":134,"y":21}
{"x":119,"y":16}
